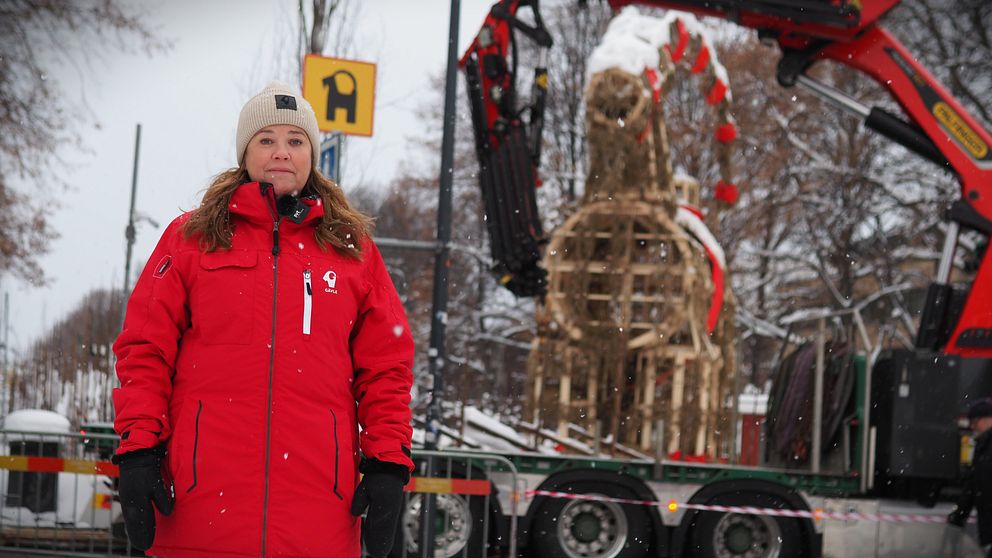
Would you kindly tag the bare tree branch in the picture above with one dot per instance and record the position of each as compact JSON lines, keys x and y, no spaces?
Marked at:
{"x":36,"y":123}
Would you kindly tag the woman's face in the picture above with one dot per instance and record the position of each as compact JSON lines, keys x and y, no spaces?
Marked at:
{"x":280,"y":155}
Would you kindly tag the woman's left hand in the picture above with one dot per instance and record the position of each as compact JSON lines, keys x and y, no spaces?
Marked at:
{"x":381,"y":493}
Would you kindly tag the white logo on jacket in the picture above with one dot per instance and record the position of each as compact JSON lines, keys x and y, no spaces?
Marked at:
{"x":332,"y":280}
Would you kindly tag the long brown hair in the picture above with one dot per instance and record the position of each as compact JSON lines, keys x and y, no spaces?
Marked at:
{"x":343,"y":227}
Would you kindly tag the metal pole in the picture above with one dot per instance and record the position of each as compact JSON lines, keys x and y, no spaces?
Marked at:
{"x":403,"y":244}
{"x":8,"y":384}
{"x":129,"y":231}
{"x":947,"y":254}
{"x":439,"y":311}
{"x":835,"y":97}
{"x":867,"y":432}
{"x":659,"y":448}
{"x":735,"y":412}
{"x":821,"y":333}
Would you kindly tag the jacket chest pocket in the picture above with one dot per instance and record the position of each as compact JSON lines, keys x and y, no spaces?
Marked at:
{"x":328,"y":304}
{"x":225,"y":296}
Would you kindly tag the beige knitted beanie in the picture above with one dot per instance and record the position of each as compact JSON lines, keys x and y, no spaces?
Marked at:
{"x":277,"y":104}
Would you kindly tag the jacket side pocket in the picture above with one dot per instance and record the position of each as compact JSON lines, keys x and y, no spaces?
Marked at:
{"x":337,"y":454}
{"x":196,"y":443}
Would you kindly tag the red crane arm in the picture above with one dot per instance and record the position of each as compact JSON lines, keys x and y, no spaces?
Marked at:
{"x":940,"y":129}
{"x":956,"y":134}
{"x":838,"y":31}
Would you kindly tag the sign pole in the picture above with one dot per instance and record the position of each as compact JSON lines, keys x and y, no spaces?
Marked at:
{"x":439,"y":313}
{"x":129,"y":231}
{"x":330,"y":156}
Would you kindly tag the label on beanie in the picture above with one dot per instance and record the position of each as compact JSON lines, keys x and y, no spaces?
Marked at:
{"x":287,"y":102}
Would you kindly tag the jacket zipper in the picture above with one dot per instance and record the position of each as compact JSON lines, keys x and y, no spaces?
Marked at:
{"x":272,"y":358}
{"x":307,"y":301}
{"x":337,"y":454}
{"x":196,"y":443}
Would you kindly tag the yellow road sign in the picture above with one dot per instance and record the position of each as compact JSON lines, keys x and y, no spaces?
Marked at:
{"x":342,"y":93}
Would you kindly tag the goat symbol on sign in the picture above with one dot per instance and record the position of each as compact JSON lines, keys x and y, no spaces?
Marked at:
{"x":336,"y":99}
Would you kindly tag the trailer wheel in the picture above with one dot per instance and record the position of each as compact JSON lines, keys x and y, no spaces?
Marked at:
{"x":716,"y":534}
{"x":591,"y":529}
{"x":458,"y":525}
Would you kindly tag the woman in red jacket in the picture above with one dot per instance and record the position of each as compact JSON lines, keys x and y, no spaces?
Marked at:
{"x":262,"y":334}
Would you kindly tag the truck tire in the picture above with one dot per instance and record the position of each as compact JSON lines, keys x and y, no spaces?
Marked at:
{"x":458,"y":527}
{"x":564,"y":528}
{"x":715,"y":534}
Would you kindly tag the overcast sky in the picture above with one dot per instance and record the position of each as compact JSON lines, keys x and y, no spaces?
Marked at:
{"x":187,"y":101}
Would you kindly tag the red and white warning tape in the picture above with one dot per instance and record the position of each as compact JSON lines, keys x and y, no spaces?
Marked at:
{"x":816,"y":515}
{"x":482,"y":487}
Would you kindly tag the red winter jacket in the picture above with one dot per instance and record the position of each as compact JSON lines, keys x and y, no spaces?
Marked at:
{"x":257,"y":369}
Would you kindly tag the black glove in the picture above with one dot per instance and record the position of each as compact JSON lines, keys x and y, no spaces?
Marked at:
{"x":957,"y":517}
{"x":140,"y":485}
{"x":381,"y":492}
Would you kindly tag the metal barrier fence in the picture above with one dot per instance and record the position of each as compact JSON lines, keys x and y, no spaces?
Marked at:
{"x":57,"y":495}
{"x":57,"y":498}
{"x":470,"y":511}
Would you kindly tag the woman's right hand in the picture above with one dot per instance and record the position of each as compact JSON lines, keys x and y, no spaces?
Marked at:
{"x":140,"y":486}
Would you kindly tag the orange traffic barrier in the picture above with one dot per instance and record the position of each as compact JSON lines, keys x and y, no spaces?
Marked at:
{"x":449,"y":486}
{"x":34,"y":464}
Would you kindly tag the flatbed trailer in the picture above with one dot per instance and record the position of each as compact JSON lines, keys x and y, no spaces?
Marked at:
{"x":596,"y":507}
{"x":601,"y":507}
